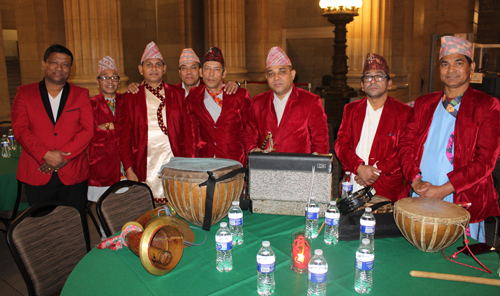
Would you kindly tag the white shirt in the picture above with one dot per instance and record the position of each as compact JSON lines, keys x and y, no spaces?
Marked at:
{"x":279,"y":105}
{"x":212,"y":107}
{"x":370,"y":125}
{"x":54,"y":103}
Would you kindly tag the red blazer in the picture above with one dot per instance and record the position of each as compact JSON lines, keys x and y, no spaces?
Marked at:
{"x":224,"y":137}
{"x":303,"y":127}
{"x":384,"y":148}
{"x":477,"y":147}
{"x":103,"y":150}
{"x":134,"y":128}
{"x":37,"y":133}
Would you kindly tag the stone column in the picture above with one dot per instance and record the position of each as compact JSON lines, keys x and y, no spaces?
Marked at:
{"x":225,"y":28}
{"x":371,"y":31}
{"x":93,"y":30}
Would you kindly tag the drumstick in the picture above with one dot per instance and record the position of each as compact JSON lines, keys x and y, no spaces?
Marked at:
{"x":454,"y":277}
{"x":319,"y":231}
{"x":265,"y":141}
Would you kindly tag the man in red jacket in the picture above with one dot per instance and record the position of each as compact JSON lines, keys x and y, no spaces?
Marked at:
{"x":369,"y":134}
{"x":154,"y":125}
{"x":218,"y":117}
{"x":53,"y":122}
{"x":103,"y":150}
{"x":294,"y":117}
{"x":452,"y":139}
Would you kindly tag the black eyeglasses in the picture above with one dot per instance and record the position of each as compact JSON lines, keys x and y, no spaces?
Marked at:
{"x":112,"y":78}
{"x":378,"y":78}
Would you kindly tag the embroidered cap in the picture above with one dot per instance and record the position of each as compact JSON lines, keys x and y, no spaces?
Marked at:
{"x":277,"y":57}
{"x":105,"y":63}
{"x":375,"y":62}
{"x":188,"y":56}
{"x":452,"y":45}
{"x":152,"y":52}
{"x":214,"y":54}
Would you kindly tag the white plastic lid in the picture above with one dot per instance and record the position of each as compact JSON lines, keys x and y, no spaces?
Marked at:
{"x":313,"y":197}
{"x":365,"y":241}
{"x":4,"y":135}
{"x":368,"y":210}
{"x":236,"y":203}
{"x":333,"y":202}
{"x":223,"y":224}
{"x":318,"y":252}
{"x":266,"y":244}
{"x":10,"y":129}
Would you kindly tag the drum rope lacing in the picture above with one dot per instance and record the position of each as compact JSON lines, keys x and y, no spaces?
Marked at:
{"x":454,"y":256}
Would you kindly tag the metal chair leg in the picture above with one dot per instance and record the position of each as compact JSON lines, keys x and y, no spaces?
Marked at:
{"x":89,"y":211}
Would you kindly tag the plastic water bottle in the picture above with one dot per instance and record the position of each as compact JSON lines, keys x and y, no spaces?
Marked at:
{"x":236,"y":223}
{"x":223,"y":239}
{"x":363,"y":281}
{"x":12,"y":140}
{"x":317,"y":272}
{"x":367,"y":227}
{"x":346,"y":185}
{"x":5,"y":147}
{"x":312,"y":213}
{"x":332,"y":217}
{"x":266,"y":261}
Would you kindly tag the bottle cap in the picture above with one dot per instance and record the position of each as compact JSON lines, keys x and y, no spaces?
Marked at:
{"x":10,"y":129}
{"x":313,"y":197}
{"x":365,"y":241}
{"x":318,"y":252}
{"x":4,"y":135}
{"x":333,"y":202}
{"x":368,"y":210}
{"x":236,"y":203}
{"x":266,"y":244}
{"x":223,"y":224}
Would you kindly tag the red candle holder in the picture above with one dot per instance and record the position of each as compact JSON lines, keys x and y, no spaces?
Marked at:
{"x":301,"y":251}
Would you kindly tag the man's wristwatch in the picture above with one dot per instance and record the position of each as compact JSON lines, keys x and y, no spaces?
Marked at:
{"x":239,"y":84}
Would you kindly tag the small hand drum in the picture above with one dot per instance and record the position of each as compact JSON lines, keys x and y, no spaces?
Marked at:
{"x":430,"y":224}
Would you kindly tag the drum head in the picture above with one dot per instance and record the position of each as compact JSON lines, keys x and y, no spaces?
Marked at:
{"x":429,"y":207}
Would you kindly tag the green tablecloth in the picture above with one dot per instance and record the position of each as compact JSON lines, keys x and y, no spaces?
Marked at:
{"x":106,"y":272}
{"x":8,"y":182}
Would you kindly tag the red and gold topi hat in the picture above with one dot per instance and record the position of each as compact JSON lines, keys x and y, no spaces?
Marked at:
{"x":375,"y":62}
{"x":214,"y":54}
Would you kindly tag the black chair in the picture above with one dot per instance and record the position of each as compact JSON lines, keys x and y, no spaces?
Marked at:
{"x":115,"y":207}
{"x":4,"y":127}
{"x":8,"y":216}
{"x":47,"y":242}
{"x":92,"y":217}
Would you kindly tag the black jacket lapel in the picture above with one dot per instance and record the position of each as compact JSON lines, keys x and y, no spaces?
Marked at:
{"x":64,"y":98}
{"x":45,"y":99}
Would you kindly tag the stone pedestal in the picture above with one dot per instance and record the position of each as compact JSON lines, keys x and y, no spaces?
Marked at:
{"x":225,"y":28}
{"x":93,"y":30}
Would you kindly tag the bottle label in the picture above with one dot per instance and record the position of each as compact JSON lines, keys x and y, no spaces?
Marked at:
{"x":317,"y":274}
{"x":346,"y":186}
{"x":5,"y":144}
{"x":367,"y":226}
{"x":223,"y":243}
{"x":235,"y":215}
{"x":312,"y":213}
{"x":10,"y":137}
{"x":364,"y":261}
{"x":332,"y":219}
{"x":265,"y":264}
{"x":235,"y":221}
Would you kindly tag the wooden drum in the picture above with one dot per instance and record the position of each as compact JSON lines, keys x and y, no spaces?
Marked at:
{"x":185,"y":187}
{"x":430,"y":224}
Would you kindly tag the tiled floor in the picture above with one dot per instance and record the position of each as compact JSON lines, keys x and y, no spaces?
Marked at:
{"x":11,"y":280}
